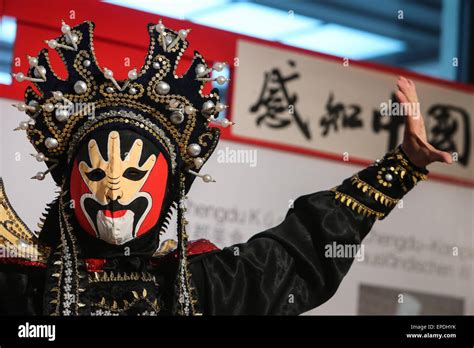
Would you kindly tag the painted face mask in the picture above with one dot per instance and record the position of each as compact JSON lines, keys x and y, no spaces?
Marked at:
{"x":118,"y":184}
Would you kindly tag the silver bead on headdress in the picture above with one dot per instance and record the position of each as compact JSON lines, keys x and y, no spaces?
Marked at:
{"x":171,"y":109}
{"x":175,"y":103}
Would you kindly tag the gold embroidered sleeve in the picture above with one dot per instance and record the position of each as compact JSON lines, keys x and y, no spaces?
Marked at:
{"x":376,"y":190}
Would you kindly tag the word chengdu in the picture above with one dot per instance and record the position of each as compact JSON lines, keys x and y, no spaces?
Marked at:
{"x":241,"y":156}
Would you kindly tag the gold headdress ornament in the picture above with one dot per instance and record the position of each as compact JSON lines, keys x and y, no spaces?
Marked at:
{"x":170,"y":109}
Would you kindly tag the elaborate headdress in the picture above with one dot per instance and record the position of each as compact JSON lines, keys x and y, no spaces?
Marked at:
{"x":172,"y":110}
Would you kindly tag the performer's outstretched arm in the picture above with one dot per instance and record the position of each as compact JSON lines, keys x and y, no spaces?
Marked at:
{"x":287,"y":269}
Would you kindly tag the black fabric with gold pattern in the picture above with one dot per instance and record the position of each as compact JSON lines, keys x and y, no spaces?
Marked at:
{"x":87,"y":93}
{"x":376,"y":190}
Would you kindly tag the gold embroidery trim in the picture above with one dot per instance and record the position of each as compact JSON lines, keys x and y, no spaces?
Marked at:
{"x":356,"y":205}
{"x":371,"y":191}
{"x":100,"y":277}
{"x":399,"y":157}
{"x":137,"y":297}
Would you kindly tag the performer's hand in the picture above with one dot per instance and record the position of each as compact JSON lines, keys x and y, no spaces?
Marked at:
{"x":415,"y":144}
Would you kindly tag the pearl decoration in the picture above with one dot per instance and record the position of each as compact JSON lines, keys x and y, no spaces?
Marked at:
{"x":34,"y":104}
{"x":160,"y":27}
{"x":219,"y":66}
{"x":65,"y":28}
{"x":162,"y":87}
{"x":51,"y":143}
{"x":39,"y":71}
{"x":208,"y":106}
{"x":108,"y":74}
{"x":177,"y":117}
{"x":21,"y":106}
{"x":188,"y":109}
{"x":132,"y":74}
{"x":109,"y":90}
{"x":221,"y":80}
{"x":86,"y":63}
{"x":62,"y":115}
{"x":40,"y":176}
{"x":156,"y":65}
{"x":225,"y":123}
{"x":40,"y":157}
{"x":132,"y":90}
{"x":220,"y":107}
{"x":23,"y":125}
{"x":388,"y":177}
{"x":183,"y":34}
{"x":80,"y":87}
{"x":193,"y":150}
{"x":198,"y":162}
{"x":20,"y":77}
{"x":201,"y":70}
{"x":48,"y":107}
{"x":74,"y":38}
{"x":53,"y":44}
{"x":58,"y":95}
{"x":207,"y":178}
{"x":33,"y":61}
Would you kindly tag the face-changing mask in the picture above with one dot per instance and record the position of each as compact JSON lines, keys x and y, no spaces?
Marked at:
{"x":124,"y":171}
{"x":118,"y":184}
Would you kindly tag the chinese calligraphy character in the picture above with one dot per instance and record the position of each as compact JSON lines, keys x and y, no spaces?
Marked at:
{"x":337,"y":111}
{"x":279,"y":106}
{"x":449,"y":120}
{"x":391,"y":124}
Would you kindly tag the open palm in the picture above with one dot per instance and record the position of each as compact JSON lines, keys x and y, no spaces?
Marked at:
{"x":415,"y":143}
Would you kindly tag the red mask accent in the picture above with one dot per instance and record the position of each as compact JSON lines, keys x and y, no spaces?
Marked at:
{"x":154,"y":186}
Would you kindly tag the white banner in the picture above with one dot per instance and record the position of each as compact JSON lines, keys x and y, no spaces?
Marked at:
{"x":409,"y":253}
{"x":342,"y":109}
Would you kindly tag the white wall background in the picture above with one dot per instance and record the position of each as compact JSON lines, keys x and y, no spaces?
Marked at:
{"x":436,"y":214}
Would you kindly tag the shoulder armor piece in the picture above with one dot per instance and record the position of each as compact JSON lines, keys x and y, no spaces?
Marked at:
{"x":18,"y":244}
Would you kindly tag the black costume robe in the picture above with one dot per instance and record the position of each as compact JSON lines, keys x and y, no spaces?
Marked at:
{"x":283,"y":270}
